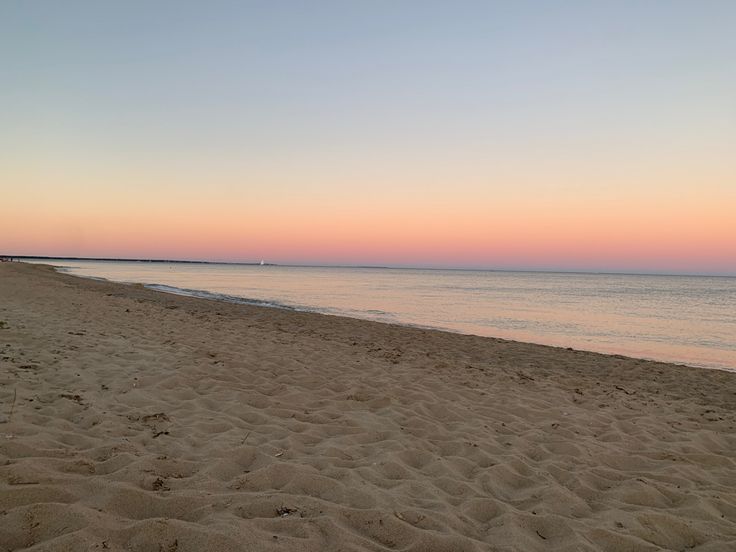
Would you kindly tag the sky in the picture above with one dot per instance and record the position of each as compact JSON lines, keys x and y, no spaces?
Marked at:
{"x":511,"y":135}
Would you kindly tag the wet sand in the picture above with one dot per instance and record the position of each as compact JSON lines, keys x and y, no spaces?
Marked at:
{"x":136,"y":420}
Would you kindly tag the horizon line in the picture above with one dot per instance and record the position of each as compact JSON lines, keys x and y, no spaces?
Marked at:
{"x":357,"y":266}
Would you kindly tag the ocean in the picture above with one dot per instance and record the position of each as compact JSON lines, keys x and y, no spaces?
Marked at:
{"x":681,"y":319}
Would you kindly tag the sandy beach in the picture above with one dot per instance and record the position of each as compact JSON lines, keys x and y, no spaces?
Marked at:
{"x":136,"y":420}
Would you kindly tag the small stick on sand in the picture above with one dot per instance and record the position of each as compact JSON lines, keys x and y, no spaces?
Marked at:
{"x":12,"y":406}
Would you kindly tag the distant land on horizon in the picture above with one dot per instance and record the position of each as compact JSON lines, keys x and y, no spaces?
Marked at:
{"x":386,"y":267}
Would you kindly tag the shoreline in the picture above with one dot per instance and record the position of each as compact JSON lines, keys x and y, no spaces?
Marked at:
{"x":132,"y":419}
{"x":212,"y":296}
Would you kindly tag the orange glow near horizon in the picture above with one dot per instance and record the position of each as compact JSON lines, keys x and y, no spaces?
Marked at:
{"x":680,"y":235}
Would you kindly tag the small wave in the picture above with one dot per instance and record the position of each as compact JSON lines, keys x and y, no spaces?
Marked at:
{"x":202,"y":294}
{"x":368,"y":314}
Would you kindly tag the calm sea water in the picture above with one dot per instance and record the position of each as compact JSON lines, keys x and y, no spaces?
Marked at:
{"x":683,"y":319}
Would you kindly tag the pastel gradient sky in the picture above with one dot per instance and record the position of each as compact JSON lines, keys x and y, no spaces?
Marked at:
{"x":534,"y":135}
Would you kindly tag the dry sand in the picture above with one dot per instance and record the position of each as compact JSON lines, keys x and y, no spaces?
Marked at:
{"x":146,"y":421}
